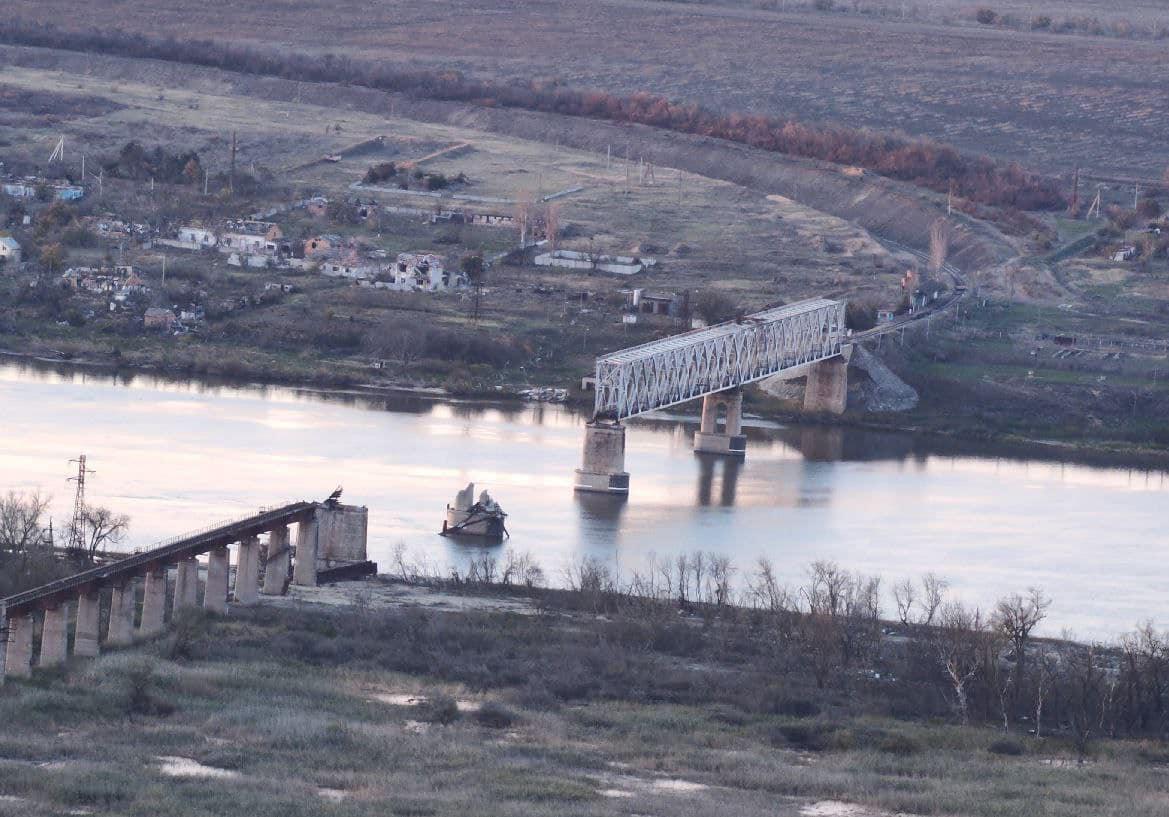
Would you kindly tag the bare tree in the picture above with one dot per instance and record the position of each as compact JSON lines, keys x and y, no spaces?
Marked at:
{"x":525,"y":215}
{"x":1015,"y":617}
{"x":102,"y":527}
{"x":959,"y":640}
{"x":933,"y":589}
{"x":552,"y":225}
{"x":1084,"y":689}
{"x":22,"y":525}
{"x":939,"y":244}
{"x":1047,"y":666}
{"x":904,"y":596}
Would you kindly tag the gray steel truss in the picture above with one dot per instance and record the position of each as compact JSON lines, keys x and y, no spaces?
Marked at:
{"x":686,"y":366}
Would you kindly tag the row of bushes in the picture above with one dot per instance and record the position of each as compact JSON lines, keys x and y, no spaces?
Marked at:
{"x":921,"y":162}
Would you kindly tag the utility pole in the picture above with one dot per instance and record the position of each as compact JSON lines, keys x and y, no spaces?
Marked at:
{"x":77,"y":528}
{"x":231,"y":179}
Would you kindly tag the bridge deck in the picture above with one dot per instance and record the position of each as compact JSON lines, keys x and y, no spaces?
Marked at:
{"x":683,"y":367}
{"x":171,"y":550}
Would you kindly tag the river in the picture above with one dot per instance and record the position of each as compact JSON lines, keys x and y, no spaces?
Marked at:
{"x":178,"y":455}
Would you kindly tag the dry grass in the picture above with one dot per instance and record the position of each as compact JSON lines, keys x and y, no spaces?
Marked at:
{"x":261,"y":732}
{"x":1058,"y":102}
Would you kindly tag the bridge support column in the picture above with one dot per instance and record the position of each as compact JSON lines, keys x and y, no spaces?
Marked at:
{"x":602,"y":468}
{"x":186,"y":585}
{"x":18,"y":659}
{"x":826,"y":391}
{"x":88,"y":616}
{"x":247,"y":572}
{"x":277,"y":562}
{"x":153,"y":604}
{"x":54,"y":636}
{"x":122,"y":603}
{"x":215,"y":593}
{"x":708,"y":439}
{"x":305,"y":570}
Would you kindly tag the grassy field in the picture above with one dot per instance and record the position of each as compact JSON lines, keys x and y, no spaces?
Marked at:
{"x":1050,"y":101}
{"x":359,"y":711}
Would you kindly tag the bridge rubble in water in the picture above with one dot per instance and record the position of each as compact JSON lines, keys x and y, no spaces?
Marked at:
{"x":330,"y":537}
{"x":802,"y":338}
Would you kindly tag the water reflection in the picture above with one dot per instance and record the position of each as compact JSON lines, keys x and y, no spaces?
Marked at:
{"x":727,"y":469}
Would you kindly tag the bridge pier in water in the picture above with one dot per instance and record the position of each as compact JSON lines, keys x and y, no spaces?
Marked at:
{"x":708,"y":439}
{"x":602,"y":468}
{"x":328,"y":535}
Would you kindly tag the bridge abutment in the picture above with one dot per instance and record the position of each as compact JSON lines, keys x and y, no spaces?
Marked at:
{"x":602,"y":467}
{"x":730,"y":440}
{"x":54,"y":636}
{"x":86,"y":630}
{"x":826,"y":391}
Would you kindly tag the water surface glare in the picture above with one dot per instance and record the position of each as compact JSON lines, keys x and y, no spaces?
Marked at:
{"x":176,"y":456}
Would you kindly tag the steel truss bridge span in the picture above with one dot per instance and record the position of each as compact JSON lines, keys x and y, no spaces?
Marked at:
{"x":705,"y":361}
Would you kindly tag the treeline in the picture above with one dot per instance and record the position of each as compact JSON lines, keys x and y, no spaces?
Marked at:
{"x":931,"y":656}
{"x":140,"y":164}
{"x":921,"y":162}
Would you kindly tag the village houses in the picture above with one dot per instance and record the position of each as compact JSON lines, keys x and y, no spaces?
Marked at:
{"x":9,"y":251}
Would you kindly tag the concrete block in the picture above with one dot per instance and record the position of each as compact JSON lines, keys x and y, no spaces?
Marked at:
{"x":342,"y":532}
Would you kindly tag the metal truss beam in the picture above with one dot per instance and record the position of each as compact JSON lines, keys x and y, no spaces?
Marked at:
{"x":686,"y":366}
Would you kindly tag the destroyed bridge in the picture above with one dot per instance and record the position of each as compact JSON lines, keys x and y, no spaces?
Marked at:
{"x":803,"y":338}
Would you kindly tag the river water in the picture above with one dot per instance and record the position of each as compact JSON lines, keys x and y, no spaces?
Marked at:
{"x":176,"y":456}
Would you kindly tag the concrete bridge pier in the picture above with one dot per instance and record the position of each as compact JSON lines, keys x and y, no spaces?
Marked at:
{"x":215,"y":592}
{"x":602,"y":468}
{"x":708,"y":439}
{"x":85,"y":632}
{"x":826,"y":391}
{"x":277,"y":562}
{"x":247,"y":571}
{"x":186,"y":585}
{"x":305,"y":569}
{"x":120,"y":630}
{"x":18,"y":658}
{"x":153,"y":604}
{"x":54,"y":636}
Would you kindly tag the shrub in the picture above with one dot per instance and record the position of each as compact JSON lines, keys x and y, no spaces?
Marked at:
{"x":495,"y":715}
{"x":823,"y":737}
{"x":987,"y":17}
{"x":379,"y":173}
{"x":899,"y":744}
{"x":440,"y":709}
{"x":1007,"y":746}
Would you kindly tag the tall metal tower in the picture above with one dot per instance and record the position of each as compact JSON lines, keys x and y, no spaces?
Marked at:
{"x":77,"y":528}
